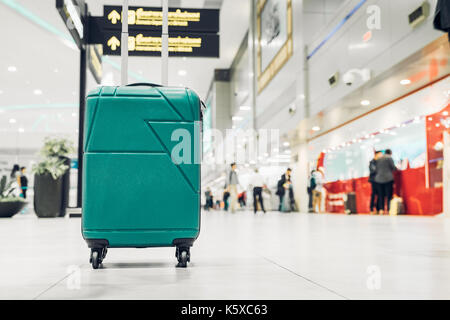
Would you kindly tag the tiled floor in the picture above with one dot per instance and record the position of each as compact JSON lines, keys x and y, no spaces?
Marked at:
{"x":240,"y":256}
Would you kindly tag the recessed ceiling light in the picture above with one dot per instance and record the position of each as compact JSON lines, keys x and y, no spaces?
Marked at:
{"x":245,"y":108}
{"x":233,"y":127}
{"x":405,"y":82}
{"x":315,"y":128}
{"x":365,"y":102}
{"x":12,"y":69}
{"x":74,"y":114}
{"x":21,"y":130}
{"x":286,"y":144}
{"x":1,"y":92}
{"x":37,"y":92}
{"x":12,"y":120}
{"x":237,"y":118}
{"x":55,"y":70}
{"x":182,"y":73}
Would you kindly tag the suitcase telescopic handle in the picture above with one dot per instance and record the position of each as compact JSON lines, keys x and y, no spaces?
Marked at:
{"x":144,"y":84}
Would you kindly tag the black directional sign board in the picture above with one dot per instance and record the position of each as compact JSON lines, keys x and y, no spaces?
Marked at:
{"x":150,"y":19}
{"x":192,"y":32}
{"x":149,"y":44}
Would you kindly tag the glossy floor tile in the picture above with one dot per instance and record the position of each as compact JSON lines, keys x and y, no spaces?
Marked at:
{"x":237,"y":256}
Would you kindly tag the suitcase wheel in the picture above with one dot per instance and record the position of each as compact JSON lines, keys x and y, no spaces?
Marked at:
{"x":97,"y":256}
{"x":183,"y":255}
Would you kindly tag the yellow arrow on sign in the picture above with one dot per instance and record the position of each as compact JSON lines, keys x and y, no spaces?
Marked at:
{"x":114,"y":16}
{"x":113,"y":43}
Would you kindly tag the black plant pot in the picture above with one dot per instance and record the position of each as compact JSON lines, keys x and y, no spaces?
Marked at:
{"x":10,"y":208}
{"x":48,"y":196}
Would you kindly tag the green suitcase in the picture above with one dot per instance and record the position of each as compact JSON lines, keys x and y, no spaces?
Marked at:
{"x":141,"y":175}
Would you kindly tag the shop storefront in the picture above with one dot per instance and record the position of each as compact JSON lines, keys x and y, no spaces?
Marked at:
{"x":413,"y":128}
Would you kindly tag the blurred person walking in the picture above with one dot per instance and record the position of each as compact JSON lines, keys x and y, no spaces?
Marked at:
{"x":209,"y":199}
{"x":372,"y":174}
{"x":232,"y":183}
{"x":226,"y":196}
{"x":310,"y":188}
{"x":23,"y":182}
{"x":284,"y":187}
{"x":242,"y":199}
{"x":257,"y":181}
{"x":318,"y":190}
{"x":384,"y":178}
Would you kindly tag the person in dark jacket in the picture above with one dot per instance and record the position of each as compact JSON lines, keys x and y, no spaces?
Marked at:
{"x":226,"y":195}
{"x":23,"y":182}
{"x":209,"y":199}
{"x":285,"y":184}
{"x":384,"y":178}
{"x":442,"y":16}
{"x":373,"y":172}
{"x":311,"y":187}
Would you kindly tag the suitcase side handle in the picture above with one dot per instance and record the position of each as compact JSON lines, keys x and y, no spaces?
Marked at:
{"x":144,"y":84}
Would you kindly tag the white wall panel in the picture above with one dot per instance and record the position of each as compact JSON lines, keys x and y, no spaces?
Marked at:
{"x":394,"y":42}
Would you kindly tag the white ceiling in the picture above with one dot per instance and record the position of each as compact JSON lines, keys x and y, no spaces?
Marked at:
{"x":46,"y":61}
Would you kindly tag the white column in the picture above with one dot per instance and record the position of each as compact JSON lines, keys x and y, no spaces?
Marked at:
{"x":165,"y":44}
{"x":446,"y":174}
{"x":124,"y":44}
{"x":252,"y":48}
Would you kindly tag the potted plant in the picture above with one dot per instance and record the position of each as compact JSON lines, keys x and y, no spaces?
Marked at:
{"x":51,"y":179}
{"x":9,"y":203}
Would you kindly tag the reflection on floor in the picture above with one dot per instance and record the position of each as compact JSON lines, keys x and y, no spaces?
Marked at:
{"x":237,"y":256}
